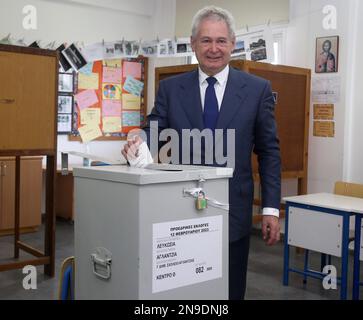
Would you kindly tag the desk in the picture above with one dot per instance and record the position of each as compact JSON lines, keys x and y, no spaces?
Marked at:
{"x":308,"y":217}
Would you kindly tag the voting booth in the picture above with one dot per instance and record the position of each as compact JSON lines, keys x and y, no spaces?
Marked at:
{"x":159,"y":232}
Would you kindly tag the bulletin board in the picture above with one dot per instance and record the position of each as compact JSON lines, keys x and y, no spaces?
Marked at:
{"x":110,"y":99}
{"x":291,"y":87}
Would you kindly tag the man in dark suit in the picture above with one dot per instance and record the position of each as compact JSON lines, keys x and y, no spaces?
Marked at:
{"x":217,"y":96}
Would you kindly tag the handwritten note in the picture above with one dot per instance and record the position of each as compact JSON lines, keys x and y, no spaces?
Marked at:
{"x":112,"y":74}
{"x":87,"y":69}
{"x":86,"y":99}
{"x":131,"y":119}
{"x":86,"y":81}
{"x":91,"y":116}
{"x":132,"y":69}
{"x":131,"y":102}
{"x":111,"y":124}
{"x":113,"y":63}
{"x":111,"y":108}
{"x":133,"y":86}
{"x":90,"y":132}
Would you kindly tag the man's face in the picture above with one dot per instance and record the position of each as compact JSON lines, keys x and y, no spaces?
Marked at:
{"x":212,"y":46}
{"x":326,"y":46}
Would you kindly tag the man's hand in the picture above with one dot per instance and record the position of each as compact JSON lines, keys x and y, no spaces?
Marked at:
{"x":270,"y":229}
{"x":131,"y":148}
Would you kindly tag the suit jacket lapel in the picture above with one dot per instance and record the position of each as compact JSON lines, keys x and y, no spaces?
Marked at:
{"x":190,"y":97}
{"x":235,"y":93}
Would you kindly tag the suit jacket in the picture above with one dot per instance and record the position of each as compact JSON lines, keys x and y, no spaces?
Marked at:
{"x":247,"y":107}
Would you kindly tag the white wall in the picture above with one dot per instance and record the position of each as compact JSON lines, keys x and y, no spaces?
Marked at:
{"x":328,"y":157}
{"x":76,"y":20}
{"x":245,"y":12}
{"x":354,"y":130}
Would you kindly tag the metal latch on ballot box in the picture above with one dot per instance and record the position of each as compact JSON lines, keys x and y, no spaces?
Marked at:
{"x":201,"y":199}
{"x":101,"y":263}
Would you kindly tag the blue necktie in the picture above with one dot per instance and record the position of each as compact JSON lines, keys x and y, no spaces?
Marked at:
{"x":210,"y":114}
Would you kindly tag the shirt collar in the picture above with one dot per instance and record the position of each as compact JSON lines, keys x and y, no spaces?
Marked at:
{"x":221,"y":76}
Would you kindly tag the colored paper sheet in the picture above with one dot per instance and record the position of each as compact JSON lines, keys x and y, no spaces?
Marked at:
{"x":132,"y":69}
{"x":89,"y":132}
{"x":111,"y":108}
{"x":88,"y":81}
{"x":87,"y":69}
{"x":91,"y":116}
{"x":113,"y":63}
{"x":86,"y":99}
{"x":133,"y":86}
{"x":112,"y":74}
{"x":111,"y":124}
{"x":111,"y":91}
{"x":131,"y":119}
{"x":130,"y":101}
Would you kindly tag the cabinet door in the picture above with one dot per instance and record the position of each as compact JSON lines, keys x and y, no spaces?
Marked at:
{"x":7,"y":194}
{"x":30,"y":193}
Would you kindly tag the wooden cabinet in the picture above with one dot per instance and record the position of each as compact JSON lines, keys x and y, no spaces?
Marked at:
{"x":30,"y":194}
{"x":64,"y":195}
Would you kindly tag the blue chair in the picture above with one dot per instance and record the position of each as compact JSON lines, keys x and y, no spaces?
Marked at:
{"x":66,"y":280}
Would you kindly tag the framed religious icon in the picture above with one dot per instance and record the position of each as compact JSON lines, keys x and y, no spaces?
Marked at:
{"x":326,"y":57}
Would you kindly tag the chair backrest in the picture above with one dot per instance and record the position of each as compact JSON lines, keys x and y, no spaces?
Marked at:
{"x":348,"y":189}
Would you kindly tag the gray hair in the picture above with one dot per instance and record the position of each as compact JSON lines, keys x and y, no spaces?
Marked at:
{"x":216,"y":13}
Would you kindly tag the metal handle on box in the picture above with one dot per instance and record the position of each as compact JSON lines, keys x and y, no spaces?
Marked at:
{"x":102,"y":261}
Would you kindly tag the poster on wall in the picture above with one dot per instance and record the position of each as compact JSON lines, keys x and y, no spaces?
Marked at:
{"x":326,"y":58}
{"x":326,"y":90}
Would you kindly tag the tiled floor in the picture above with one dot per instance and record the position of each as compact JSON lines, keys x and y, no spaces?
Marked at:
{"x":264,"y":271}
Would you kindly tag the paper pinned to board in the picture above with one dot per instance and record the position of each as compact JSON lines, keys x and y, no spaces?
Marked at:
{"x":133,"y":86}
{"x":88,"y":81}
{"x":111,"y":108}
{"x":90,"y":132}
{"x":111,"y":124}
{"x":86,"y":99}
{"x":131,"y":102}
{"x":112,"y":75}
{"x":132,"y":69}
{"x":91,"y":116}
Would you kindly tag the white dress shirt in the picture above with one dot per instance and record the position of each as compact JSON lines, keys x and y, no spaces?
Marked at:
{"x":219,"y":88}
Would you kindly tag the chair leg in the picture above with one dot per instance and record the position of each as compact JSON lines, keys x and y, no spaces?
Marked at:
{"x":306,"y":265}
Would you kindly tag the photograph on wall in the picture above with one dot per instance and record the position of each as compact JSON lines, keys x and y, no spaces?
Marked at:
{"x":149,"y":48}
{"x":65,"y":82}
{"x":326,"y":58}
{"x":183,"y":47}
{"x":65,"y":104}
{"x":64,"y":123}
{"x":239,"y":47}
{"x":74,"y":57}
{"x":258,"y":49}
{"x":163,"y":48}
